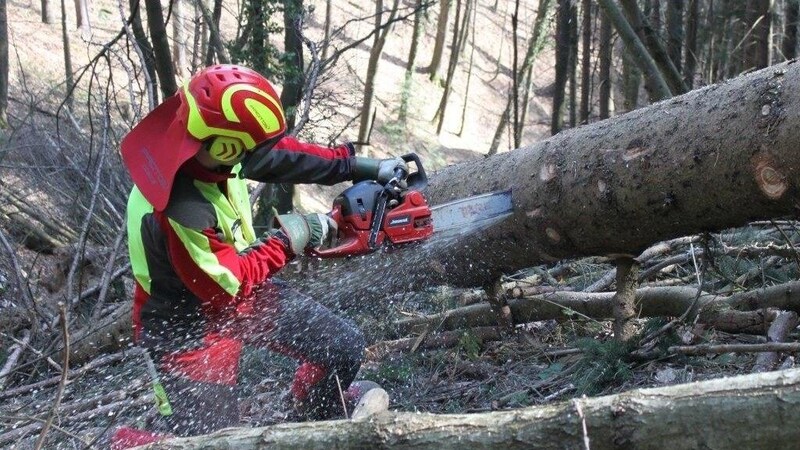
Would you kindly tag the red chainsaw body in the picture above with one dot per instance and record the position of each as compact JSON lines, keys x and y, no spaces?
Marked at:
{"x":407,"y":219}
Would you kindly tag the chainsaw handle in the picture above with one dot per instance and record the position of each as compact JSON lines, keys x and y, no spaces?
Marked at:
{"x":417,"y":180}
{"x":349,"y":247}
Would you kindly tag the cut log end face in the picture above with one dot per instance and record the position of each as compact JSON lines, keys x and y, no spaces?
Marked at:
{"x":770,"y":180}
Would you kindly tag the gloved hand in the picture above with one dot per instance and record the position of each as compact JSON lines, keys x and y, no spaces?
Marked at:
{"x":306,"y":231}
{"x":380,"y":170}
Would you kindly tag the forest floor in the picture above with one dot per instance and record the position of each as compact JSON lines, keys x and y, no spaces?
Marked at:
{"x":537,"y":363}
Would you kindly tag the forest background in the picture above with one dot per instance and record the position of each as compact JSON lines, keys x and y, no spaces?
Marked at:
{"x":455,"y":82}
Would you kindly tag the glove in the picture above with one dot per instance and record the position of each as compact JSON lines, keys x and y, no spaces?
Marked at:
{"x":380,"y":170}
{"x":306,"y":231}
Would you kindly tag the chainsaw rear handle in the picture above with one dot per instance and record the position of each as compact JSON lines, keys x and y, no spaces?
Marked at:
{"x":416,"y":180}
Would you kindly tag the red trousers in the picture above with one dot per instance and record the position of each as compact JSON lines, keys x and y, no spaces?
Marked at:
{"x":200,"y":373}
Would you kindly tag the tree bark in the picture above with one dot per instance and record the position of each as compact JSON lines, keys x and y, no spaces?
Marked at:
{"x":441,"y":35}
{"x":749,"y":411}
{"x":573,"y":66}
{"x":654,"y":45}
{"x":47,"y":12}
{"x":675,"y":31}
{"x":212,"y":21}
{"x":148,"y":58}
{"x":535,"y":45}
{"x":3,"y":64}
{"x":410,"y":62}
{"x":636,"y":49}
{"x":327,"y":27}
{"x":563,"y":48}
{"x":163,"y":60}
{"x":451,"y":69}
{"x":718,"y":312}
{"x":624,"y":301}
{"x":714,"y":158}
{"x":757,"y":44}
{"x":789,"y":41}
{"x":179,"y":39}
{"x":82,"y":16}
{"x":784,"y":323}
{"x":69,"y":83}
{"x":586,"y":59}
{"x":690,"y":50}
{"x":604,"y":77}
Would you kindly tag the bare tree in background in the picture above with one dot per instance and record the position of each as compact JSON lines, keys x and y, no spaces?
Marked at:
{"x":451,"y":65}
{"x":412,"y":56}
{"x":757,"y":43}
{"x":327,"y":33}
{"x":148,"y":58}
{"x":604,"y":75}
{"x":655,"y":47}
{"x":178,"y":39}
{"x":381,"y":33}
{"x":791,"y":11}
{"x":3,"y":64}
{"x":563,"y":17}
{"x":536,"y":43}
{"x":573,"y":65}
{"x":163,"y":60}
{"x":213,"y":30}
{"x":47,"y":12}
{"x":586,"y":59}
{"x":636,"y":50}
{"x":690,"y":49}
{"x":675,"y":31}
{"x":292,"y":91}
{"x":82,"y":16}
{"x":67,"y":57}
{"x":441,"y":35}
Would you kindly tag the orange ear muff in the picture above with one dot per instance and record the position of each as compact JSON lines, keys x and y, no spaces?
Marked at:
{"x":226,"y":149}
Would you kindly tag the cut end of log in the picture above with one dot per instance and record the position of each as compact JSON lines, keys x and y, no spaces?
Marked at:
{"x":769,"y":179}
{"x":374,"y":401}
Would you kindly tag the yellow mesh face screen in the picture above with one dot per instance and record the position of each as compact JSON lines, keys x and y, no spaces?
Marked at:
{"x":226,"y":150}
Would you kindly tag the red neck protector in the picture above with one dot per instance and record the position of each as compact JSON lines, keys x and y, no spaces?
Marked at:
{"x":194,"y":169}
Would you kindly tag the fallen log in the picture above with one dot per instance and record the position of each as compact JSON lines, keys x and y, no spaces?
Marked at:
{"x":738,"y":313}
{"x":714,"y":158}
{"x":756,"y":411}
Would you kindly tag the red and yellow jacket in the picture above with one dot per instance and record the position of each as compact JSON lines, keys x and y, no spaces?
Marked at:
{"x":198,"y":258}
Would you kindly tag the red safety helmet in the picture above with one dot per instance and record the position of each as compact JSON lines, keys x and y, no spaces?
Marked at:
{"x":233,"y":108}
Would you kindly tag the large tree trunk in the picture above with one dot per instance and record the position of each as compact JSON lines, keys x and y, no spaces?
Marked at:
{"x":751,"y":411}
{"x":713,"y":158}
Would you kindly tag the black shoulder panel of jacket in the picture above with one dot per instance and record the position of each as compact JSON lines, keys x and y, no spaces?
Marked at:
{"x":291,"y":161}
{"x":188,"y":207}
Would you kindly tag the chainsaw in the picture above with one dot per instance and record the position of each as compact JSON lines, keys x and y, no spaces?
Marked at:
{"x":370,"y":215}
